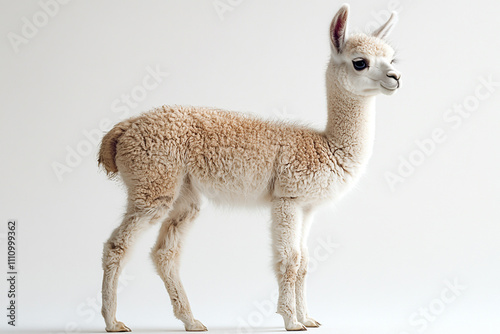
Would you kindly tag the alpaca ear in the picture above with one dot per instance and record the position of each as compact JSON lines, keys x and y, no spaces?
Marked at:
{"x":338,"y":28}
{"x":386,"y":28}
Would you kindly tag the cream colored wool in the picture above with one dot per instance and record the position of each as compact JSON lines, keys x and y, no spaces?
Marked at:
{"x":171,"y":155}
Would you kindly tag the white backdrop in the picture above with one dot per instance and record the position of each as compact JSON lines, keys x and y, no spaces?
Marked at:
{"x":414,"y":249}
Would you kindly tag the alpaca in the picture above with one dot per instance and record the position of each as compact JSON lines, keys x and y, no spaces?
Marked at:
{"x":170,"y":156}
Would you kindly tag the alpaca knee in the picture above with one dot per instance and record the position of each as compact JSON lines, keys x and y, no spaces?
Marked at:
{"x":194,"y":210}
{"x":164,"y":259}
{"x":304,"y":262}
{"x":287,"y":266}
{"x":113,"y":253}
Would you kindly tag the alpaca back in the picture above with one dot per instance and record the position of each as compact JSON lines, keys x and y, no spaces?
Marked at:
{"x":228,"y":156}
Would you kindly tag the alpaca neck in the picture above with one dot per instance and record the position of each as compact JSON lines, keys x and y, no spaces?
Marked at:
{"x":351,"y":121}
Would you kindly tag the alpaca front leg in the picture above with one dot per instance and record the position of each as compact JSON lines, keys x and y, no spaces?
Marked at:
{"x":286,"y":249}
{"x":300,"y":284}
{"x":300,"y":292}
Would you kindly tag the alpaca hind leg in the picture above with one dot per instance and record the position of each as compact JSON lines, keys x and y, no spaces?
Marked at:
{"x":286,"y":249}
{"x":300,"y":289}
{"x":166,"y":254}
{"x":115,"y":251}
{"x":147,"y":204}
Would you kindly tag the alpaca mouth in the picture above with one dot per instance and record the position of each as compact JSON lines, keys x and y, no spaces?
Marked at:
{"x":389,"y":88}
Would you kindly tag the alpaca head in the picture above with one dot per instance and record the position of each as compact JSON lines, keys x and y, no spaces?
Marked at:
{"x":362,"y":64}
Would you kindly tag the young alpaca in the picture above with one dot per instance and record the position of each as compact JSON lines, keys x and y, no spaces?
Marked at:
{"x":171,"y":155}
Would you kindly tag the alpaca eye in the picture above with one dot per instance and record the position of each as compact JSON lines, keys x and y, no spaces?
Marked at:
{"x":359,"y":64}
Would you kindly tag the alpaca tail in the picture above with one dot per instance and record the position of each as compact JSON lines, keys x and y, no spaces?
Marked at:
{"x":107,"y":152}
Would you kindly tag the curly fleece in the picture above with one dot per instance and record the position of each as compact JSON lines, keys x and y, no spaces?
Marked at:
{"x":171,"y":155}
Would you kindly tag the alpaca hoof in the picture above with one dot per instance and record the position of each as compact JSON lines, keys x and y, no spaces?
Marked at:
{"x":310,"y":322}
{"x":196,"y":326}
{"x":296,"y":327}
{"x":118,"y":326}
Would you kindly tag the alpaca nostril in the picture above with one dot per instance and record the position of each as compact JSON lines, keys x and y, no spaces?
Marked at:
{"x":395,"y":75}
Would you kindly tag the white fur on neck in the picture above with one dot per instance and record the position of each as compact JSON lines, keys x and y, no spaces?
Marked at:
{"x":351,"y":118}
